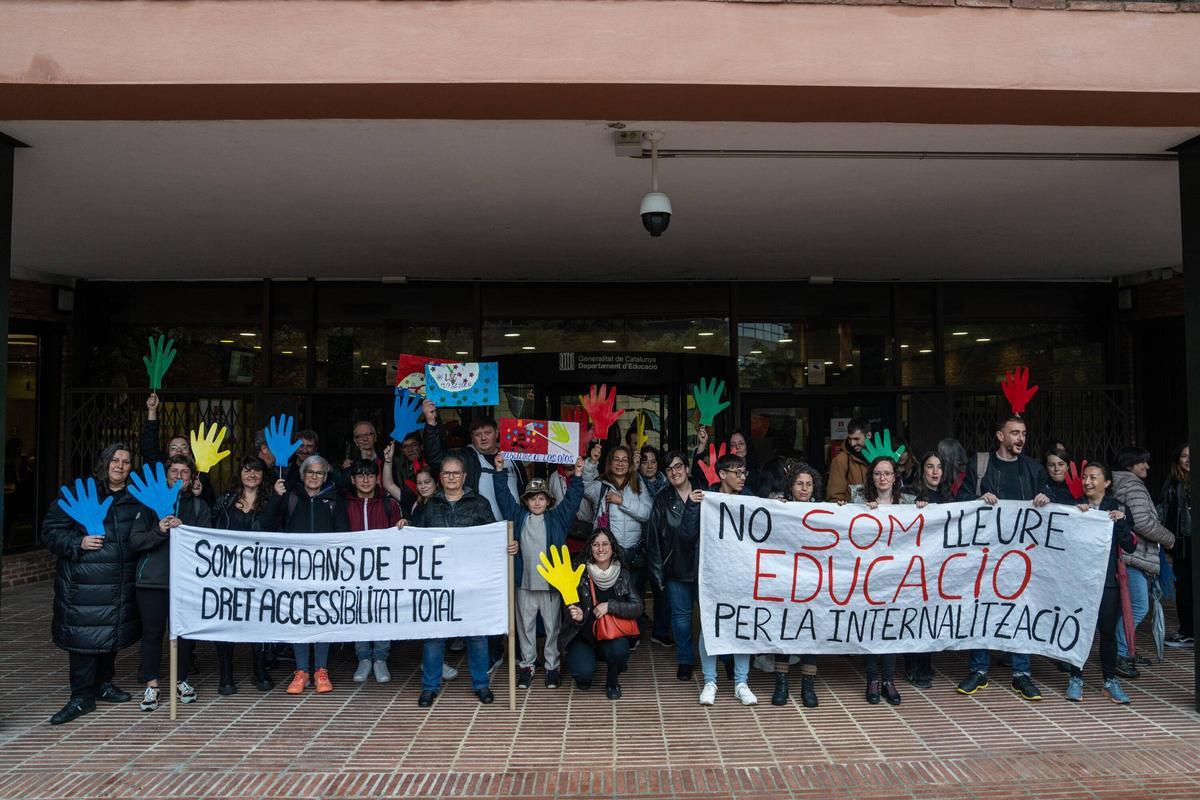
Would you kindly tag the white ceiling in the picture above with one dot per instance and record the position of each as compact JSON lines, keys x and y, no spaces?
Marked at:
{"x":550,"y":200}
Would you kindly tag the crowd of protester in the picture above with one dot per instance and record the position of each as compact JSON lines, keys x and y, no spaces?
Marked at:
{"x":630,"y":515}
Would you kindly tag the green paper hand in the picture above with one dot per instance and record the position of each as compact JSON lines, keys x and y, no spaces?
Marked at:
{"x":559,"y":433}
{"x":880,"y":446}
{"x":162,"y":353}
{"x":708,"y":399}
{"x":560,"y":575}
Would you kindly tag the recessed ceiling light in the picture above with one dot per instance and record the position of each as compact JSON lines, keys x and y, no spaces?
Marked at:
{"x":960,"y":333}
{"x":706,"y":333}
{"x":461,"y":353}
{"x":924,"y":351}
{"x":689,"y":347}
{"x":285,"y":352}
{"x":849,"y":365}
{"x":227,"y":341}
{"x":305,"y":347}
{"x":529,"y":347}
{"x":608,"y":341}
{"x":258,"y":347}
{"x":903,"y":347}
{"x":984,"y":339}
{"x":785,"y":341}
{"x":434,"y":341}
{"x":829,"y":363}
{"x":756,"y":352}
{"x":383,"y":363}
{"x":366,"y":366}
{"x":247,"y":334}
{"x":511,"y":335}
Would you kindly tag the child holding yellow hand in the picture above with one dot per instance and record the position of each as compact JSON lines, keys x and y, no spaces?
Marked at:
{"x":539,"y":524}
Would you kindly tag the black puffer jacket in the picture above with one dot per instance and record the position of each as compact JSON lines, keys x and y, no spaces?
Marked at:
{"x":94,"y":606}
{"x":296,"y":512}
{"x":154,"y":567}
{"x":438,"y":512}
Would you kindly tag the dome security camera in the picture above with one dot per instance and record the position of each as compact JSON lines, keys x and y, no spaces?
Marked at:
{"x":656,"y":212}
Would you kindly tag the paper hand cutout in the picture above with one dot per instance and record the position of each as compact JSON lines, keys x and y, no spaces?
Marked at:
{"x":708,"y":399}
{"x":162,"y":353}
{"x":279,"y":439}
{"x":580,"y":416}
{"x":1017,"y":389}
{"x":642,"y":438}
{"x":206,"y":448}
{"x":559,"y":433}
{"x":600,"y":407}
{"x":84,"y":507}
{"x":406,"y":414}
{"x":411,"y":483}
{"x":879,"y":446}
{"x":560,"y":575}
{"x":1074,"y":479}
{"x":151,"y":490}
{"x":710,"y":469}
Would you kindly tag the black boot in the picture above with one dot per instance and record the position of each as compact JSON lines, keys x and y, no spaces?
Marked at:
{"x":262,"y":678}
{"x":225,"y":685}
{"x":780,"y":697}
{"x":808,"y":691}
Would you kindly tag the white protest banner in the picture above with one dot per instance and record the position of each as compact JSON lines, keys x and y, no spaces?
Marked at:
{"x":802,"y":578}
{"x":414,"y":583}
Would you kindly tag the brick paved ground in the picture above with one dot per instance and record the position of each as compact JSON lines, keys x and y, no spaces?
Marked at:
{"x":372,"y":740}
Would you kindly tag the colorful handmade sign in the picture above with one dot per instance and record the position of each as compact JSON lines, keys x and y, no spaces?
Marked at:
{"x":456,"y":385}
{"x":708,"y":399}
{"x":84,"y":507}
{"x":206,"y":447}
{"x":406,"y":414}
{"x":558,"y":573}
{"x":162,"y":353}
{"x":547,"y":441}
{"x":601,"y":407}
{"x":410,"y":371}
{"x":1017,"y":390}
{"x":880,"y":446}
{"x":151,"y":490}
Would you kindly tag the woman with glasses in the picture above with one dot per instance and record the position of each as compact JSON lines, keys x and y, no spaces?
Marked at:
{"x":315,"y":508}
{"x":243,"y":508}
{"x":200,"y":485}
{"x":882,"y":489}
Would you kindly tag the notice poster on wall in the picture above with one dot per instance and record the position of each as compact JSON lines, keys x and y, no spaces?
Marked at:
{"x":546,"y":441}
{"x":822,"y":578}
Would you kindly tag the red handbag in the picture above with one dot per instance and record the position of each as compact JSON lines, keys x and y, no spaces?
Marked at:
{"x":610,"y":626}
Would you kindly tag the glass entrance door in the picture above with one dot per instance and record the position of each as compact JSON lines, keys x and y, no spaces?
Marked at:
{"x":653,"y":402}
{"x":809,"y":428}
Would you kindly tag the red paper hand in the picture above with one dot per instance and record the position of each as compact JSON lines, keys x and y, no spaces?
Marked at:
{"x":1074,"y":479}
{"x":600,"y":407}
{"x":580,"y":417}
{"x":411,"y":483}
{"x":1017,"y":389}
{"x":710,"y":468}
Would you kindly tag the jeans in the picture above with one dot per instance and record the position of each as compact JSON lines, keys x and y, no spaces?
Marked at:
{"x":681,"y":595}
{"x":1139,"y":598}
{"x":708,"y":665}
{"x":90,"y":671}
{"x":981,"y":658}
{"x":582,"y":658}
{"x":433,"y":656}
{"x":1110,"y":617}
{"x":321,"y":661}
{"x":372,"y":651}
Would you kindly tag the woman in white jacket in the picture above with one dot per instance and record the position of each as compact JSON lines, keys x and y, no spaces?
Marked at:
{"x":622,"y":505}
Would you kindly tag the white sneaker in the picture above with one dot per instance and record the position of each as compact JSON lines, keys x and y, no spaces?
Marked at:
{"x":708,"y":695}
{"x":449,"y":673}
{"x":381,"y":672}
{"x":186,"y":693}
{"x":742,"y":692}
{"x":364,"y":669}
{"x":149,"y":699}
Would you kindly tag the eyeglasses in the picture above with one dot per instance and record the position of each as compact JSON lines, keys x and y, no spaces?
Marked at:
{"x":676,"y":467}
{"x":313,"y":473}
{"x":451,"y":474}
{"x":367,"y":435}
{"x":737,"y":473}
{"x":177,"y":448}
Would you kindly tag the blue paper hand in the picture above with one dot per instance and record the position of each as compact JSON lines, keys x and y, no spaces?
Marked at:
{"x":151,"y":490}
{"x":84,"y":507}
{"x":406,"y":414}
{"x":279,"y":439}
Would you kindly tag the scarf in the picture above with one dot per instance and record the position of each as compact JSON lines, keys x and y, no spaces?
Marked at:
{"x":605,"y":578}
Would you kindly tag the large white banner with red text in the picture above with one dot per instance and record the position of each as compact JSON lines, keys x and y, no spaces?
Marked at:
{"x":803,"y":578}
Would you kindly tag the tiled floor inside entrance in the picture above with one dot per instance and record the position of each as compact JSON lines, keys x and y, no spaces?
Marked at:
{"x":371,"y":740}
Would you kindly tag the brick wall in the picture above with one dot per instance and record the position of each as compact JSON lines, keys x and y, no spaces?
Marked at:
{"x":25,"y":568}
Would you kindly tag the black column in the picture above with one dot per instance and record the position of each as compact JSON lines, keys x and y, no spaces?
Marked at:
{"x":1189,"y":212}
{"x":7,"y":149}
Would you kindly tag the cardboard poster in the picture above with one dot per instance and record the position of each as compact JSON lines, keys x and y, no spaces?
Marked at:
{"x":454,"y":385}
{"x":547,"y":441}
{"x":410,"y":372}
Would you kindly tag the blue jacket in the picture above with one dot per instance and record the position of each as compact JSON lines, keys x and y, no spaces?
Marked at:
{"x":558,"y":518}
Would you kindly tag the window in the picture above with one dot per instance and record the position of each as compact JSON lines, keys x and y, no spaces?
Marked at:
{"x":1058,"y":353}
{"x":704,"y":335}
{"x":791,"y":355}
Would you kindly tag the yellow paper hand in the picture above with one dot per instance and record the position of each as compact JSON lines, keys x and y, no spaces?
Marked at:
{"x":642,"y":438}
{"x":560,"y":575}
{"x":559,"y":433}
{"x":206,"y":447}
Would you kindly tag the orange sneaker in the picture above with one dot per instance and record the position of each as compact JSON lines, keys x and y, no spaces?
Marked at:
{"x":299,"y":683}
{"x":321,"y":676}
